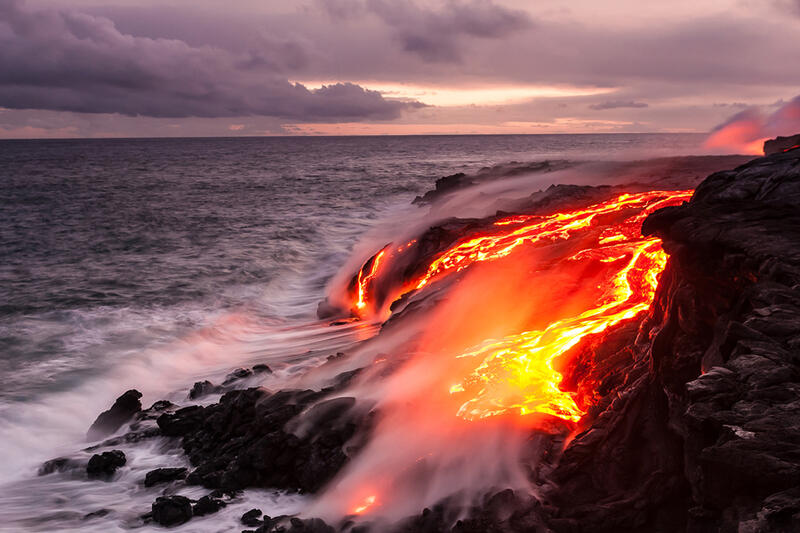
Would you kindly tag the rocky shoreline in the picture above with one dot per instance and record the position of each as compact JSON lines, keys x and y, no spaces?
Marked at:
{"x":695,"y":427}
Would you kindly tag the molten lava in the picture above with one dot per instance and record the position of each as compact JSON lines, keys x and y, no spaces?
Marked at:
{"x":368,"y":502}
{"x":518,"y":374}
{"x":365,"y":277}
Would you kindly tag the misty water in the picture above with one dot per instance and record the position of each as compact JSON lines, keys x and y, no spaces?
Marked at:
{"x":154,"y":263}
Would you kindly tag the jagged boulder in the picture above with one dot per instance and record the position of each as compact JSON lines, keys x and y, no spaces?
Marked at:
{"x":123,"y":410}
{"x":171,"y":510}
{"x":164,"y":475}
{"x":106,"y":463}
{"x":207,"y":505}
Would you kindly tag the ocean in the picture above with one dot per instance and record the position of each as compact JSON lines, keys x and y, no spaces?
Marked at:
{"x":151,"y":263}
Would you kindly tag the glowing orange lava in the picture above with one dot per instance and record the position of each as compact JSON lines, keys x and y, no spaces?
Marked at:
{"x":368,"y":502}
{"x":364,"y":279}
{"x":517,"y":374}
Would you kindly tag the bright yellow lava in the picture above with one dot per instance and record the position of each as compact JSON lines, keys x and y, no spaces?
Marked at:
{"x":516,"y":374}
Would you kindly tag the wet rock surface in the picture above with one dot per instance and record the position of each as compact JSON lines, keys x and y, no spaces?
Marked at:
{"x":171,"y":510}
{"x":252,"y":518}
{"x":203,"y":388}
{"x":123,"y":410}
{"x":164,"y":475}
{"x":106,"y":463}
{"x":59,"y":464}
{"x":207,"y":505}
{"x":244,"y":440}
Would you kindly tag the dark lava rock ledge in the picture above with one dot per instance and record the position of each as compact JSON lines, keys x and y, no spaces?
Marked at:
{"x":706,"y":437}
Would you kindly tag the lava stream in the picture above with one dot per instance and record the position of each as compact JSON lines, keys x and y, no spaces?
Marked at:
{"x":518,"y":374}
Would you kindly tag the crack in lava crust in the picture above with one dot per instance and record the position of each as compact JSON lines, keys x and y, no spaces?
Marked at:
{"x":518,"y":374}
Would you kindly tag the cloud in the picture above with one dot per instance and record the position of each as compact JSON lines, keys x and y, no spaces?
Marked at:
{"x":792,"y":6}
{"x":69,"y":61}
{"x":435,"y":35}
{"x":616,"y":104}
{"x":341,"y":8}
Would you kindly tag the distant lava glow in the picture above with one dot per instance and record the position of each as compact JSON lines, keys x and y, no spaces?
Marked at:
{"x":364,"y":506}
{"x":518,"y":374}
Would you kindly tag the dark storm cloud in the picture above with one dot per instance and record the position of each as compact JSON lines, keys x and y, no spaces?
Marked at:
{"x":435,"y":35}
{"x":616,"y":104}
{"x":69,"y":61}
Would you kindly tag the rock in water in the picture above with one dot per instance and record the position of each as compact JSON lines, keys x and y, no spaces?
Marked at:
{"x":163,"y":475}
{"x":122,"y":411}
{"x":237,"y":375}
{"x":242,"y":441}
{"x":202,"y":388}
{"x":252,"y":518}
{"x":59,"y":464}
{"x":207,"y":505}
{"x":262,"y":369}
{"x":172,"y":510}
{"x":106,"y":463}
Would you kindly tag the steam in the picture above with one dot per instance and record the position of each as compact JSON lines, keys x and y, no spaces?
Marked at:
{"x":746,"y":131}
{"x":421,"y":452}
{"x":421,"y":370}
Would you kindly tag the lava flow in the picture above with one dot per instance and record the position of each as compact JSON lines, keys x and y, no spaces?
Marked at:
{"x":518,"y":374}
{"x":461,"y":383}
{"x":511,"y":232}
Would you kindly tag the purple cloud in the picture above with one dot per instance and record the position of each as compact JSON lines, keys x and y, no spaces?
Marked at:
{"x":616,"y":104}
{"x":436,"y":35}
{"x":69,"y":61}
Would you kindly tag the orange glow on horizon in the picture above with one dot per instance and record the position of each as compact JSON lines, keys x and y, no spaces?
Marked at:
{"x":465,"y":95}
{"x":558,"y":125}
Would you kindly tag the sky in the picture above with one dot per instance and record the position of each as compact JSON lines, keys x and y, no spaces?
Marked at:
{"x":129,"y":68}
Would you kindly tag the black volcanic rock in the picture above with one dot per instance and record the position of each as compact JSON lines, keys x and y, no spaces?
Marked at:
{"x":59,"y":464}
{"x":123,"y":410}
{"x":164,"y":475}
{"x":243,"y":441}
{"x":207,"y":505}
{"x":172,"y":510}
{"x":458,"y":181}
{"x":262,"y":369}
{"x":202,"y":388}
{"x":181,"y":421}
{"x":106,"y":463}
{"x":502,"y":512}
{"x":252,"y":518}
{"x":236,"y":375}
{"x":445,"y":185}
{"x":703,"y":435}
{"x":781,"y":144}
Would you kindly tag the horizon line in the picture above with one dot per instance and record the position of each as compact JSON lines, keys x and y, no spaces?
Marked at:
{"x":147,"y":137}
